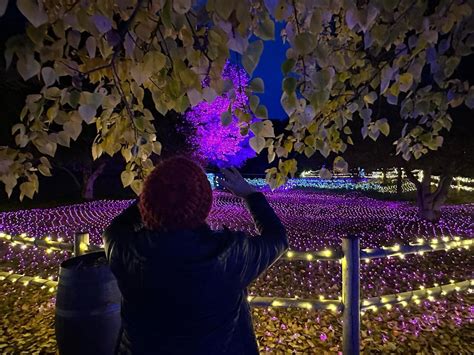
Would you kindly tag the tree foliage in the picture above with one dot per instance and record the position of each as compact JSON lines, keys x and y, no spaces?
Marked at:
{"x":220,"y":137}
{"x":98,"y":60}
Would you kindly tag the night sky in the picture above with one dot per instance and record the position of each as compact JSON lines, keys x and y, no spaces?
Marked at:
{"x":269,"y":69}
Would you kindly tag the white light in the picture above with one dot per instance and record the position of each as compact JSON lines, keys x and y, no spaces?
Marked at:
{"x":327,"y":252}
{"x":306,"y":305}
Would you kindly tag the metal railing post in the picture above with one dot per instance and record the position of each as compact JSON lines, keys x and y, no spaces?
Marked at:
{"x":351,"y":295}
{"x":81,"y":243}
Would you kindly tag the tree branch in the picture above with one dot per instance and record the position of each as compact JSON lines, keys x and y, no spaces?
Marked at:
{"x":301,"y":56}
{"x":412,"y":178}
{"x":70,"y":173}
{"x":439,"y":196}
{"x":123,"y":97}
{"x":100,"y":168}
{"x":72,"y":6}
{"x":426,"y":182}
{"x":204,"y":52}
{"x":105,"y":66}
{"x":123,"y":30}
{"x":167,"y":51}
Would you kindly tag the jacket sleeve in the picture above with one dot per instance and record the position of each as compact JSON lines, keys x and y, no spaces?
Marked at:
{"x":253,"y":255}
{"x":121,"y":227}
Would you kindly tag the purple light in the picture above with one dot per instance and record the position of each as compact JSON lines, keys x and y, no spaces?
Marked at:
{"x":314,"y":221}
{"x":219,"y":145}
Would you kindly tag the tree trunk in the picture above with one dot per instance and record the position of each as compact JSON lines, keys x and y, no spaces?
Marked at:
{"x":89,"y":178}
{"x":71,"y":174}
{"x":384,"y":176}
{"x":399,"y":182}
{"x":429,"y":203}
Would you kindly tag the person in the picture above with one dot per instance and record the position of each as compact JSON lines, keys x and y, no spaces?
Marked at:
{"x":183,"y":285}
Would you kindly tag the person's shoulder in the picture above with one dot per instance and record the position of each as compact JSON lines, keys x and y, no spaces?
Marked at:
{"x":229,"y":241}
{"x":228,"y":235}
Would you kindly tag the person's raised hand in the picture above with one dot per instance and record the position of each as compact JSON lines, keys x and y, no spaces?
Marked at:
{"x":235,"y":183}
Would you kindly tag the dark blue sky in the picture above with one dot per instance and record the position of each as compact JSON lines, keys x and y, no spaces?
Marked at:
{"x":269,"y":69}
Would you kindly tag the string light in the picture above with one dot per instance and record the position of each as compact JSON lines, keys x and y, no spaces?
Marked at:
{"x":327,"y":252}
{"x":28,"y":280}
{"x":315,"y":223}
{"x":417,"y":295}
{"x":308,"y":305}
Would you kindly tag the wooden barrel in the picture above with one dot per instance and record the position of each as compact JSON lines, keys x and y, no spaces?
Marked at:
{"x":87,"y":306}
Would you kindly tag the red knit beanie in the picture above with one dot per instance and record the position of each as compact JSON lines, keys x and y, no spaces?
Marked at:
{"x":176,"y":195}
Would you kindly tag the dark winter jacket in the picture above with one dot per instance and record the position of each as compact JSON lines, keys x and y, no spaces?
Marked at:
{"x":184,"y":292}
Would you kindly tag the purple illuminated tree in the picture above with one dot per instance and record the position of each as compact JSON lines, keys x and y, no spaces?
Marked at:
{"x":218,"y":139}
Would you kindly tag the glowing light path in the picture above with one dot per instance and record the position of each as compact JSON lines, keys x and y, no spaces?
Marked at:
{"x":315,"y":221}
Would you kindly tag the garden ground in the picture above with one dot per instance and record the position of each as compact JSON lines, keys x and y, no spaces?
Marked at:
{"x":315,"y":221}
